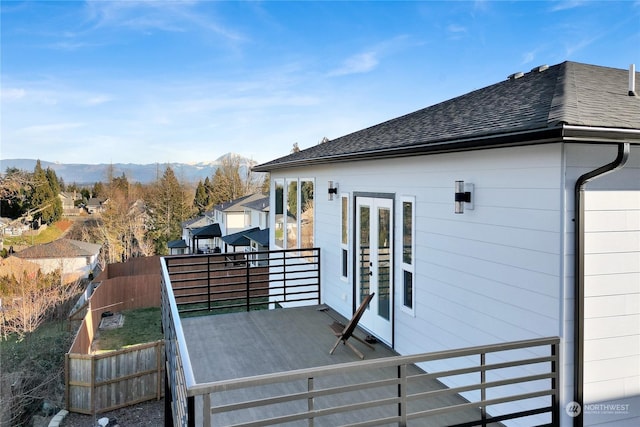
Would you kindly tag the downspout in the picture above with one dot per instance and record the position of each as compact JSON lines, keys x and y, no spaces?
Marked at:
{"x":578,"y":333}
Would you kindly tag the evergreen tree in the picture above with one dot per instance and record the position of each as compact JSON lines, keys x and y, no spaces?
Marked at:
{"x":168,"y":207}
{"x":54,"y":183}
{"x":42,"y":200}
{"x":201,"y":199}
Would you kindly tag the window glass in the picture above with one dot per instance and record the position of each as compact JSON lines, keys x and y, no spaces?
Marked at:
{"x":345,"y":220}
{"x":306,"y":213}
{"x":291,"y":222}
{"x":408,"y":289}
{"x":279,"y":210}
{"x":344,"y":244}
{"x":408,"y":251}
{"x":407,"y":232}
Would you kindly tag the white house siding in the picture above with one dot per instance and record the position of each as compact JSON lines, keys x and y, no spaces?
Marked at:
{"x":504,"y":270}
{"x":490,"y":275}
{"x":612,"y":290}
{"x":72,"y":268}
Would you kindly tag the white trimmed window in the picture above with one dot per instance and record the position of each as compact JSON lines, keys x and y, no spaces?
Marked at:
{"x":344,"y":242}
{"x":408,"y":254}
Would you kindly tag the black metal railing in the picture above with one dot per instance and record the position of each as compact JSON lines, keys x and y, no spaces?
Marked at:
{"x":514,"y":380}
{"x":243,"y":281}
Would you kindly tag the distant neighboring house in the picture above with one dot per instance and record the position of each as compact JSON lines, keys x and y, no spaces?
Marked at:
{"x":223,"y":228}
{"x":96,"y":205}
{"x":241,"y":214}
{"x":4,"y":223}
{"x":68,"y":199}
{"x":508,"y":213}
{"x":75,"y":259}
{"x":178,"y":247}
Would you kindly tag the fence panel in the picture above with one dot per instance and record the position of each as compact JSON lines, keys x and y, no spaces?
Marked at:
{"x":103,"y":382}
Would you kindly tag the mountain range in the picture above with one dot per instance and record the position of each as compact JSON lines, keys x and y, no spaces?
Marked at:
{"x":87,"y":174}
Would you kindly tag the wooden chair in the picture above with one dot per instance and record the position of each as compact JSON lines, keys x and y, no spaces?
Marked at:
{"x":345,"y":332}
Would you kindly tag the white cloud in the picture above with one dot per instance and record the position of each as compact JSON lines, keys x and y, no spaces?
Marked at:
{"x":98,"y":99}
{"x":357,"y":64}
{"x":12,"y":94}
{"x":454,"y":28}
{"x":52,"y":127}
{"x":566,"y":5}
{"x":528,"y":57}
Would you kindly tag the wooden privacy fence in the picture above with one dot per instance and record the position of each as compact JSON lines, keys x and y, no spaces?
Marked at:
{"x":102,"y":382}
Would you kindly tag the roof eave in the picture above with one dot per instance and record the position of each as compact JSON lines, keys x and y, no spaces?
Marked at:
{"x":518,"y":138}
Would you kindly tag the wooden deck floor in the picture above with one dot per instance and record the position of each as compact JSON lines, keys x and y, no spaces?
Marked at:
{"x":229,"y":346}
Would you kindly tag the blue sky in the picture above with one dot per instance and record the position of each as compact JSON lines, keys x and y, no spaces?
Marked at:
{"x":188,"y":81}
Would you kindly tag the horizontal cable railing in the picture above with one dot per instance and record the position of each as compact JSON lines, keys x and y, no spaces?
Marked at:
{"x":323,"y":396}
{"x":243,"y":281}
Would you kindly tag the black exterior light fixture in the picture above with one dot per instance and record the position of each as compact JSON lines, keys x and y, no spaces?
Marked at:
{"x":333,"y":190}
{"x":462,"y":195}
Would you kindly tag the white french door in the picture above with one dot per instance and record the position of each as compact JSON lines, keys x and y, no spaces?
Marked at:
{"x":374,"y":264}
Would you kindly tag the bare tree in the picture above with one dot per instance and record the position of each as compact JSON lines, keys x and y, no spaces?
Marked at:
{"x":29,"y":299}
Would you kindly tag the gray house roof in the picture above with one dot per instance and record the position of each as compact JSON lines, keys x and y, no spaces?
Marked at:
{"x":569,"y":101}
{"x":61,"y":248}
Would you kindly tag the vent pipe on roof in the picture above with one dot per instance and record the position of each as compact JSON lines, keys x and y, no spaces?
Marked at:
{"x":515,"y":76}
{"x":632,"y":80}
{"x":539,"y":68}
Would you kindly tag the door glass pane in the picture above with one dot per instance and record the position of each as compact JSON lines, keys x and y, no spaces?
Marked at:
{"x":364,"y":256}
{"x":384,"y":262}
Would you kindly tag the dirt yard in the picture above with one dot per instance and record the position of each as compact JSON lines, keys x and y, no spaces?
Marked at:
{"x":147,"y":414}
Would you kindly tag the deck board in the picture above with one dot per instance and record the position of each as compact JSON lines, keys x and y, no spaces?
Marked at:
{"x":223,"y":347}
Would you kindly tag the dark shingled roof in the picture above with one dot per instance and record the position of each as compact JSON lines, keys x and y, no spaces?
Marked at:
{"x":177,"y":244}
{"x":533,"y":108}
{"x":260,"y":236}
{"x":239,"y":238}
{"x":208,"y":232}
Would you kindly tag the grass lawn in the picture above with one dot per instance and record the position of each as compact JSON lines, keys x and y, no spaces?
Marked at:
{"x":140,"y":326}
{"x":52,"y":232}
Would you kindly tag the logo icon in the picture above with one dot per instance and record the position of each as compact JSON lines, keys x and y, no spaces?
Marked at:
{"x":573,"y":409}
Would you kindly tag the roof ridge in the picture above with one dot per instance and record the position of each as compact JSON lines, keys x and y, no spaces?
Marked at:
{"x":564,"y":94}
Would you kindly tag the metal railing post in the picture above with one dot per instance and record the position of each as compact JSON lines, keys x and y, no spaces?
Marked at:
{"x":483,"y":390}
{"x":191,"y":411}
{"x":208,"y":283}
{"x":310,"y":400}
{"x":402,"y":394}
{"x":555,"y":410}
{"x":248,"y":285}
{"x":284,"y":276}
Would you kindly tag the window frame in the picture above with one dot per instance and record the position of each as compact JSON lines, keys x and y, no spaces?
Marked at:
{"x":344,"y":245}
{"x":285,"y":181}
{"x":406,"y":267}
